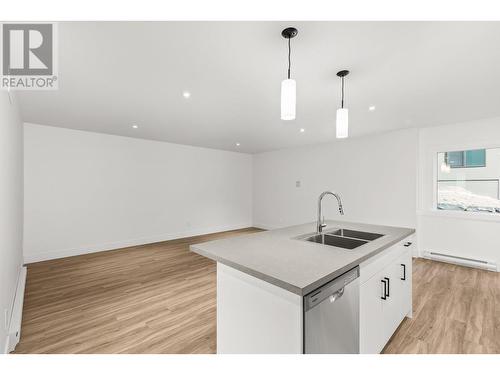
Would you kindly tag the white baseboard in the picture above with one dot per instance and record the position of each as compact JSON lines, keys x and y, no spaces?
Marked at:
{"x":415,"y":253}
{"x":63,"y":253}
{"x":264,"y":226}
{"x":14,"y":331}
{"x":6,"y":345}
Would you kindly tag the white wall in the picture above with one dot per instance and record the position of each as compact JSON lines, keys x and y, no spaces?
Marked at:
{"x":375,"y":176}
{"x":11,"y":205}
{"x":88,"y":192}
{"x":465,"y":234}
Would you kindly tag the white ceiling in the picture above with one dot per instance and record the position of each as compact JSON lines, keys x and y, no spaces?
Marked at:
{"x":115,"y":74}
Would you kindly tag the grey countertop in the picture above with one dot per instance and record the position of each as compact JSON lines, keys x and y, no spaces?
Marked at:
{"x":276,"y":256}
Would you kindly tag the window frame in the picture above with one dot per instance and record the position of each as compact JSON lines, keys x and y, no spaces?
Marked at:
{"x":428,"y":203}
{"x":463,"y":215}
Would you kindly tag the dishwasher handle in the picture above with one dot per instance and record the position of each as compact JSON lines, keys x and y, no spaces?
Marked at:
{"x":335,"y":296}
{"x":331,"y":291}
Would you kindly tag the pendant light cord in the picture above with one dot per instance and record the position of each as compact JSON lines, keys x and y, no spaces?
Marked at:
{"x":289,"y":61}
{"x":342,"y":102}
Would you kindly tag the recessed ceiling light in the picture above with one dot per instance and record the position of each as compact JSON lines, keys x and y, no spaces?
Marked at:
{"x":371,"y":108}
{"x":302,"y":130}
{"x":186,"y":94}
{"x":237,"y":144}
{"x":135,"y":126}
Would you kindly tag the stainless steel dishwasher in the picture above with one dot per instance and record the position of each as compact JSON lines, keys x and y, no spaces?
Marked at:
{"x":331,"y":316}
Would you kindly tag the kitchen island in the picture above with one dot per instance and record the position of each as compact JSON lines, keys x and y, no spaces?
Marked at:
{"x":264,"y":280}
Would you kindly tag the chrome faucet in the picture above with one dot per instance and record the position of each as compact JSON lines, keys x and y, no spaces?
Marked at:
{"x":321,"y":224}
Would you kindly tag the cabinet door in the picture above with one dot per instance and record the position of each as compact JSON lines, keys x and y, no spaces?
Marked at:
{"x":398,"y":302}
{"x":381,"y":314}
{"x":392,"y":308}
{"x":405,"y":282}
{"x":371,"y":316}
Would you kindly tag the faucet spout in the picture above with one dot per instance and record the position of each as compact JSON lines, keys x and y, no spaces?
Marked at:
{"x":320,"y":224}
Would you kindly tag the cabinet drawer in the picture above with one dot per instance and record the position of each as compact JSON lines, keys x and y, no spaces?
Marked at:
{"x":375,"y":264}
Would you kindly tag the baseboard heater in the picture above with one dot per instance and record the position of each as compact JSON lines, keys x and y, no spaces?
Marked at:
{"x":469,"y":262}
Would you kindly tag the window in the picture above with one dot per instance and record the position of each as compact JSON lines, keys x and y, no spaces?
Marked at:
{"x":469,"y":180}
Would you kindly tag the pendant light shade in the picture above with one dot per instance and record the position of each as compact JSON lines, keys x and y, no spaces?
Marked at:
{"x":288,"y":86}
{"x":342,"y":124}
{"x":288,"y":99}
{"x":445,"y":168}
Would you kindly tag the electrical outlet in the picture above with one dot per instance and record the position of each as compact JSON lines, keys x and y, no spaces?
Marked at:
{"x":297,"y":183}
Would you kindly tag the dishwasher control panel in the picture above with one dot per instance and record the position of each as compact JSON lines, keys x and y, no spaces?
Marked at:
{"x":319,"y":295}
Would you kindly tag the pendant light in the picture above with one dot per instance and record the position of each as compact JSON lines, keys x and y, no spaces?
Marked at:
{"x":445,"y":168}
{"x":342,"y":113}
{"x":288,"y":86}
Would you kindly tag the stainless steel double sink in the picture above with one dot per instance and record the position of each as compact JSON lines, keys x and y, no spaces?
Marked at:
{"x":344,"y":238}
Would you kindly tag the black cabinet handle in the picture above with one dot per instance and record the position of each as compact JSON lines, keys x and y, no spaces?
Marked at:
{"x":385,"y":289}
{"x":388,"y":287}
{"x":407,"y":244}
{"x":404,"y":272}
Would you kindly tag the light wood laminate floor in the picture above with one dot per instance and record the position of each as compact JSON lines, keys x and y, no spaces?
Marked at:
{"x":158,"y":298}
{"x":455,"y":310}
{"x":161,"y":298}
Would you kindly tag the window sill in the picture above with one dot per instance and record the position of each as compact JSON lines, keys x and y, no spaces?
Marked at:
{"x":476,"y":216}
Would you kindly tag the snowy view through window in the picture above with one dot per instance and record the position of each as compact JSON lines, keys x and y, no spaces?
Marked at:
{"x":469,"y":180}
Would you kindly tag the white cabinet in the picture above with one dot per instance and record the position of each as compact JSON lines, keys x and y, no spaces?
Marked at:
{"x":385,"y":295}
{"x":403,"y":282}
{"x":256,"y":317}
{"x":394,"y":305}
{"x":371,"y":316}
